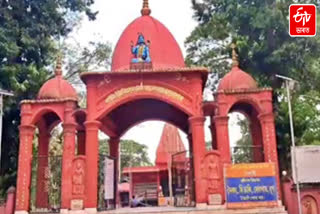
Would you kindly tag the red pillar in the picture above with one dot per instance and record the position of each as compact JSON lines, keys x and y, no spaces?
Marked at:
{"x":199,"y":150}
{"x":24,"y":168}
{"x":69,"y":132}
{"x":81,"y":136}
{"x":270,"y":143}
{"x":223,"y":138}
{"x":114,"y":145}
{"x":92,"y":158}
{"x":42,"y":198}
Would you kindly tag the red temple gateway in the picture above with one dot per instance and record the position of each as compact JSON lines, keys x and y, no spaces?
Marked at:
{"x":148,"y":81}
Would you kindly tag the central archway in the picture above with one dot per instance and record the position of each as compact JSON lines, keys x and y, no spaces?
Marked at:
{"x":135,"y":111}
{"x":116,"y":101}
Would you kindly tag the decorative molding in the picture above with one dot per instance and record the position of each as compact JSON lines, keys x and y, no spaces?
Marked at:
{"x":197,"y":120}
{"x":48,"y":101}
{"x":181,"y":77}
{"x":242,"y":91}
{"x":160,"y":70}
{"x":144,"y":88}
{"x":106,"y":80}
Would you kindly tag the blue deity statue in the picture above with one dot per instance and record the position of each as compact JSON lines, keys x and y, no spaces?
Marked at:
{"x":140,"y":51}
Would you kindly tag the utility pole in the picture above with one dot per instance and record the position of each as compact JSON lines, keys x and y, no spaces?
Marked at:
{"x":2,"y":94}
{"x":289,"y":81}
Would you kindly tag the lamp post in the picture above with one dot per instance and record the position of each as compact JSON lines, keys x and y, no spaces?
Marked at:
{"x":290,"y":83}
{"x":2,"y":94}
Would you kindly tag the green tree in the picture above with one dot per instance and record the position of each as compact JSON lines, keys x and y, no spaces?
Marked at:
{"x":242,"y":152}
{"x":306,"y":117}
{"x":134,"y":154}
{"x":78,"y":58}
{"x":260,"y":30}
{"x":28,"y":31}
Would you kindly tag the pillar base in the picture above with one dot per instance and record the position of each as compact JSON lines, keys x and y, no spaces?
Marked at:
{"x":21,"y":212}
{"x":91,"y":210}
{"x":201,"y":205}
{"x":217,"y":207}
{"x":77,"y":212}
{"x":64,"y":211}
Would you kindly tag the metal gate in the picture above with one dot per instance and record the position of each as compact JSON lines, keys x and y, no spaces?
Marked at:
{"x":51,"y":184}
{"x":183,"y":180}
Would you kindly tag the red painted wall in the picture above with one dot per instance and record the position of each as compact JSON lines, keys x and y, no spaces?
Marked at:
{"x":290,"y":198}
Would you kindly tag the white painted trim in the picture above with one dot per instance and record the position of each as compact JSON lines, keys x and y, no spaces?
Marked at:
{"x":64,"y":211}
{"x":21,"y":212}
{"x":201,"y":205}
{"x":91,"y":210}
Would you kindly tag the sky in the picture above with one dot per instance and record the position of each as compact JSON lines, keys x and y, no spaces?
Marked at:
{"x":114,"y":16}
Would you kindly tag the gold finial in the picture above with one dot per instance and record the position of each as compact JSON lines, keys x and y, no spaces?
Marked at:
{"x":145,"y":8}
{"x":235,"y":60}
{"x":58,"y":70}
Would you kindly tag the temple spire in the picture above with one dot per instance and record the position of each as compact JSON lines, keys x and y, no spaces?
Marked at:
{"x":235,"y":60}
{"x":145,"y":11}
{"x":58,"y":70}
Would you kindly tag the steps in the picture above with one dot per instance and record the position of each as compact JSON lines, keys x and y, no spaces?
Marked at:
{"x":208,"y":210}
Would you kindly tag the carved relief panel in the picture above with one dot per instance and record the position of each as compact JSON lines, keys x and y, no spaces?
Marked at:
{"x":309,"y":205}
{"x":78,"y":177}
{"x":211,"y":172}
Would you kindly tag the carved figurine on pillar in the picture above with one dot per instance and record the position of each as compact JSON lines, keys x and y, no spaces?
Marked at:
{"x":78,"y":177}
{"x":212,"y":174}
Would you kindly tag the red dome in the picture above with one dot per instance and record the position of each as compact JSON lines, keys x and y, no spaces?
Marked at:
{"x":57,"y":88}
{"x":164,"y":49}
{"x":237,"y":79}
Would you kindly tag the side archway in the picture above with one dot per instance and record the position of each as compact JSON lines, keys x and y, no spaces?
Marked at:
{"x":46,"y":112}
{"x":249,"y":145}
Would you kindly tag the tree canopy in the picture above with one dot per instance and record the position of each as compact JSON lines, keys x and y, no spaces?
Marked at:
{"x":132,"y":153}
{"x":29,"y":34}
{"x":260,"y":31}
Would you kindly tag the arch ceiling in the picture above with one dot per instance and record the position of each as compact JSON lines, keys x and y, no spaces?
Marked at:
{"x":129,"y":114}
